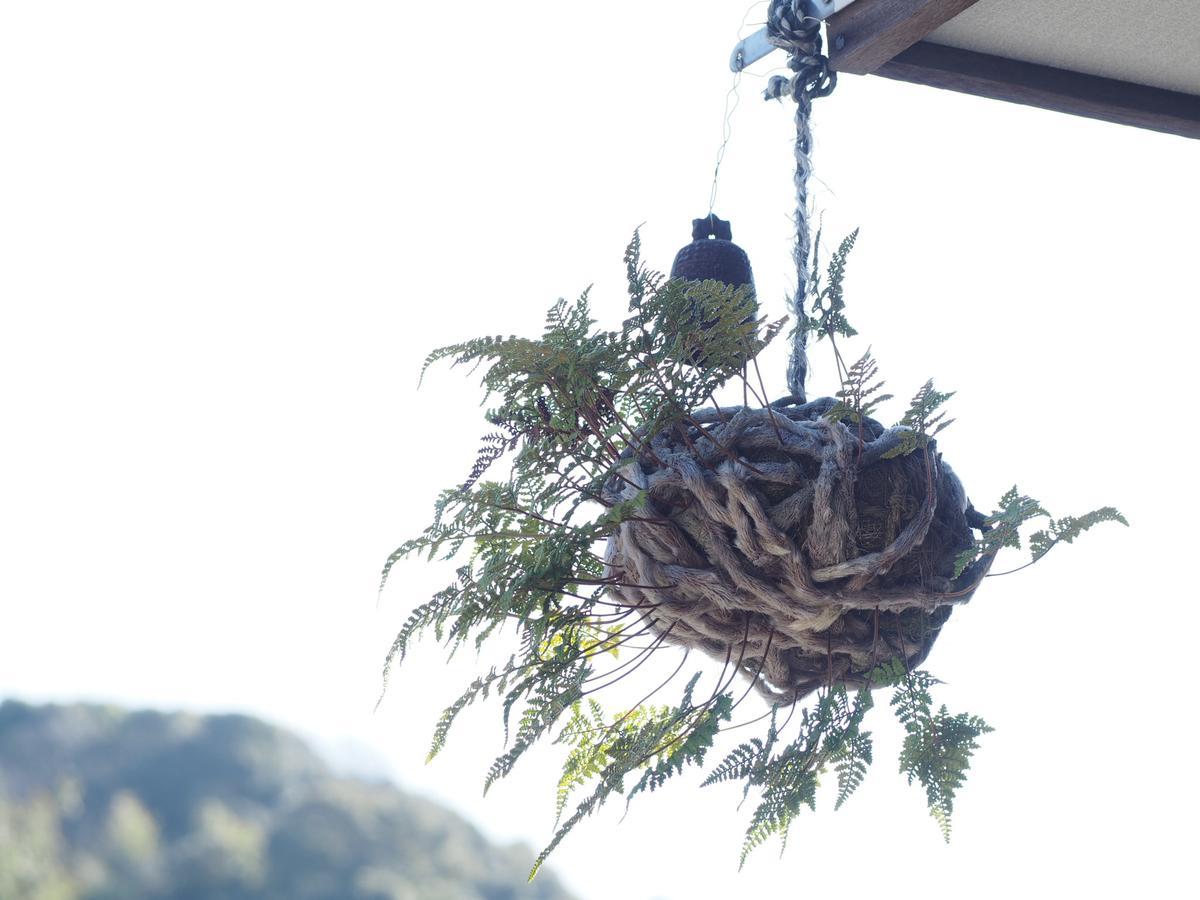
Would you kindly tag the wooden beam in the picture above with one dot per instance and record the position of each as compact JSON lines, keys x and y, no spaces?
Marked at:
{"x":868,"y":33}
{"x":1048,"y":88}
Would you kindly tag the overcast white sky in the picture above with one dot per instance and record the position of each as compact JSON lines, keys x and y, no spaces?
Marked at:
{"x":229,"y":233}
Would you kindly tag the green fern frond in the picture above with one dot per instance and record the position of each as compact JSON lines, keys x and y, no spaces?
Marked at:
{"x":828,"y":317}
{"x":1003,"y":528}
{"x":421,"y":618}
{"x":687,"y":747}
{"x":859,"y":395}
{"x":549,"y":700}
{"x":450,"y":713}
{"x":831,"y":732}
{"x":937,"y":747}
{"x":467,"y":351}
{"x":662,"y":739}
{"x":851,"y":748}
{"x":1068,"y":528}
{"x":922,"y":421}
{"x":850,"y":764}
{"x":738,"y":765}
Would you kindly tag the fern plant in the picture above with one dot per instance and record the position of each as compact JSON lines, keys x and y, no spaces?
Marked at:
{"x":568,"y":409}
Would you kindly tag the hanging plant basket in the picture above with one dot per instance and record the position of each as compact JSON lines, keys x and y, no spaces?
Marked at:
{"x":804,"y":548}
{"x":802,"y":545}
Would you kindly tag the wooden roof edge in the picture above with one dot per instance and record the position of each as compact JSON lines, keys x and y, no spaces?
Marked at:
{"x":1046,"y":87}
{"x":866,"y":34}
{"x":888,"y":38}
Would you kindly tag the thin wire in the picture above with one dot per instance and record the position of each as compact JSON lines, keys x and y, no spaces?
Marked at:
{"x":726,"y":123}
{"x":726,"y":130}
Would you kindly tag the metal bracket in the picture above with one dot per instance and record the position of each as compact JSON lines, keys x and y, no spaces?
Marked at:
{"x":756,"y":46}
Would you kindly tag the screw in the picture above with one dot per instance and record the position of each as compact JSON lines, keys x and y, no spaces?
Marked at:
{"x":839,"y":42}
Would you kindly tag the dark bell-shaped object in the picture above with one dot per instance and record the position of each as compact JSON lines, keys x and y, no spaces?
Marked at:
{"x":712,"y":255}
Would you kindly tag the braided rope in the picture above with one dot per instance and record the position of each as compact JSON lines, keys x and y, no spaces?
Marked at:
{"x":788,"y":27}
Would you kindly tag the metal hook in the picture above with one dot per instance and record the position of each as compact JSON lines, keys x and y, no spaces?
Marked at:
{"x":753,"y":48}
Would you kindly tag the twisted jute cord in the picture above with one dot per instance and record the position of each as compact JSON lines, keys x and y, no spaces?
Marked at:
{"x":783,"y":581}
{"x":788,"y":27}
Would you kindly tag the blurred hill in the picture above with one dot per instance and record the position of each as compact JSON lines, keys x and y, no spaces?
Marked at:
{"x":101,"y":803}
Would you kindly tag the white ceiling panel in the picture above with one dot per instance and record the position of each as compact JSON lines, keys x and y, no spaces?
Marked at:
{"x":1152,"y":42}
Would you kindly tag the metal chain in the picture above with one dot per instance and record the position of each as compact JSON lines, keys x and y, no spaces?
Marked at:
{"x":788,"y":27}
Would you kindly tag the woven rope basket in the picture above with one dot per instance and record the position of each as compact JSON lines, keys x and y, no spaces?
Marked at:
{"x":787,"y":545}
